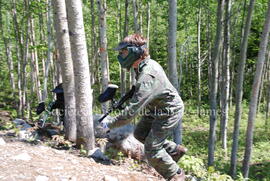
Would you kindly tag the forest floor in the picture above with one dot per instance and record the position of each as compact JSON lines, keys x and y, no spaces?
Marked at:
{"x":21,"y":160}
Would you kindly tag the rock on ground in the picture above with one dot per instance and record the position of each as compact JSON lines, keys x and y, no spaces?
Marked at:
{"x":2,"y":142}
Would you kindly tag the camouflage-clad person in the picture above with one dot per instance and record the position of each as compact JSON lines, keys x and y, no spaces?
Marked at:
{"x":159,"y":104}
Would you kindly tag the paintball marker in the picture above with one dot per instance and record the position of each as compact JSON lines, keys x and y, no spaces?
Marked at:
{"x":109,"y":94}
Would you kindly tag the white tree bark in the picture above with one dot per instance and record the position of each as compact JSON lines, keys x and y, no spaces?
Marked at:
{"x":267,"y":111}
{"x":25,"y":102}
{"x":209,"y":40}
{"x":83,"y":91}
{"x":199,"y":59}
{"x":262,"y":89}
{"x":172,"y":64}
{"x":10,"y":63}
{"x":65,"y":57}
{"x":225,"y":77}
{"x":19,"y":57}
{"x":126,"y":28}
{"x":239,"y":89}
{"x":58,"y":70}
{"x":49,"y":52}
{"x":7,"y":48}
{"x":148,"y":23}
{"x":136,"y":30}
{"x":104,"y":62}
{"x":172,"y":34}
{"x":135,"y":15}
{"x":94,"y":51}
{"x":125,"y":33}
{"x":119,"y":38}
{"x":214,"y":85}
{"x":140,"y":11}
{"x":255,"y":92}
{"x":35,"y":61}
{"x":42,"y":37}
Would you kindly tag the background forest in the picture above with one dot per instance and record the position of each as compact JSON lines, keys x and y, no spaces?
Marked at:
{"x":220,"y":64}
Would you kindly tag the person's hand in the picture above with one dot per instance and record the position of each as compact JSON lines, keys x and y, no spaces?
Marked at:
{"x":104,"y":124}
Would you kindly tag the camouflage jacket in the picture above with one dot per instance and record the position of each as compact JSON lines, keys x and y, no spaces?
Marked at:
{"x":154,"y":95}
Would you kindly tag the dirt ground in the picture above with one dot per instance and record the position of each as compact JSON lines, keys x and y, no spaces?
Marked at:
{"x":23,"y":161}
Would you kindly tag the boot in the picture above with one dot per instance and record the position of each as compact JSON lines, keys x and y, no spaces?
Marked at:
{"x":179,"y":176}
{"x":178,"y":153}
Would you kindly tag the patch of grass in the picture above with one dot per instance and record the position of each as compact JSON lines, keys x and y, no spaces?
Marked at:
{"x":114,"y":154}
{"x":195,"y":137}
{"x":260,"y":171}
{"x":6,"y":125}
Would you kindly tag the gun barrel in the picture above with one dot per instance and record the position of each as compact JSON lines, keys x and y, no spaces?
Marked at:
{"x":105,"y":115}
{"x":125,"y":97}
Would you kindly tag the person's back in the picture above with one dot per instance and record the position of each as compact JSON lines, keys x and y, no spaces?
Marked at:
{"x":164,"y":100}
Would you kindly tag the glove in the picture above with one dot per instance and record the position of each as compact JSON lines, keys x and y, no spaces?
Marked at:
{"x":104,"y":125}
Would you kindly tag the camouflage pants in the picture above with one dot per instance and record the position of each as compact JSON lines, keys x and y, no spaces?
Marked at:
{"x":153,"y":133}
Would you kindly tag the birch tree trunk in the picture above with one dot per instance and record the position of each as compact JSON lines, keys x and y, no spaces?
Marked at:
{"x":125,"y":33}
{"x":32,"y":66}
{"x":49,"y":54}
{"x":65,"y":57}
{"x":260,"y":96}
{"x":140,"y":12}
{"x":33,"y":74}
{"x":255,"y":93}
{"x":35,"y":60}
{"x":199,"y":59}
{"x":155,"y":26}
{"x":235,"y":57}
{"x":25,"y":104}
{"x":42,"y":38}
{"x":226,"y":77}
{"x":172,"y":68}
{"x":10,"y":63}
{"x":136,"y":30}
{"x":209,"y":40}
{"x":214,"y":86}
{"x":83,"y":91}
{"x":104,"y":62}
{"x":181,"y":59}
{"x":119,"y":38}
{"x":172,"y":34}
{"x":267,"y":111}
{"x":126,"y":28}
{"x":148,"y":23}
{"x":53,"y":70}
{"x":19,"y":56}
{"x":123,"y":73}
{"x":94,"y":51}
{"x":7,"y":49}
{"x":58,"y":69}
{"x":239,"y":89}
{"x":135,"y":15}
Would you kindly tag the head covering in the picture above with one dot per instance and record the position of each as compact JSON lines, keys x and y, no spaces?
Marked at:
{"x":122,"y":45}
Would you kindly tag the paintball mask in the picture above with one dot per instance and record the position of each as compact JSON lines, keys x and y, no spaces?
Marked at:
{"x":134,"y":53}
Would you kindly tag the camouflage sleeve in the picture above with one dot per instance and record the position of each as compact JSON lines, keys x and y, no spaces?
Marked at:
{"x":143,"y":94}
